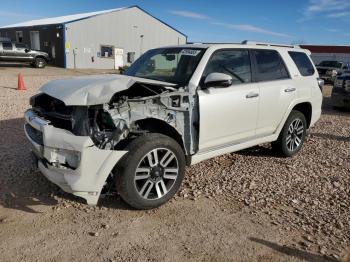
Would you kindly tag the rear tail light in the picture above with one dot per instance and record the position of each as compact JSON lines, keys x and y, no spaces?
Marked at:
{"x":320,"y":83}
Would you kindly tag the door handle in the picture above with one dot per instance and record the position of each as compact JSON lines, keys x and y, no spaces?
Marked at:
{"x":288,"y":90}
{"x":252,"y":95}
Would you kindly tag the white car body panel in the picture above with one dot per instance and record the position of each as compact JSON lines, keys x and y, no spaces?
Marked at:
{"x":92,"y":90}
{"x":274,"y":99}
{"x":240,"y":115}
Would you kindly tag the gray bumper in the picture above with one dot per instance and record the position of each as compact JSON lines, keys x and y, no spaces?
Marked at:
{"x":54,"y":147}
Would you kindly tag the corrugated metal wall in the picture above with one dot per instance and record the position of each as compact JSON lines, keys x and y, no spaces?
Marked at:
{"x":319,"y":57}
{"x":122,"y":29}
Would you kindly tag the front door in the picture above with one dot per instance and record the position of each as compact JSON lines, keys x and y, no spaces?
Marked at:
{"x":228,"y":115}
{"x":22,"y":53}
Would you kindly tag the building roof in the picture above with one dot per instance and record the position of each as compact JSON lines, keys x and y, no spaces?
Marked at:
{"x":343,"y":49}
{"x":61,"y":19}
{"x":76,"y":17}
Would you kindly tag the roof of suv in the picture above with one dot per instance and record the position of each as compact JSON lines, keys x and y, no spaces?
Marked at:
{"x":244,"y":44}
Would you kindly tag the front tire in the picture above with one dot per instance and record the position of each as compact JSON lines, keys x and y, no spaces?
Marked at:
{"x":292,"y":135}
{"x":40,"y":62}
{"x":151,"y":172}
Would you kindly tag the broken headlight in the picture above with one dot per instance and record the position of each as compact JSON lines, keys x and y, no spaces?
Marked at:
{"x":64,"y":158}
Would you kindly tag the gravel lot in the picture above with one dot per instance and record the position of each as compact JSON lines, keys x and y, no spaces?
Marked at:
{"x":246,"y":206}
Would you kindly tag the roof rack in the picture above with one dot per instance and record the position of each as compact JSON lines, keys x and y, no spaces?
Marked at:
{"x":248,"y":42}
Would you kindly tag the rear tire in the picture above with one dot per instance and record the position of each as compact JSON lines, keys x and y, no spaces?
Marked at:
{"x":151,"y":172}
{"x":40,"y":62}
{"x":292,"y":135}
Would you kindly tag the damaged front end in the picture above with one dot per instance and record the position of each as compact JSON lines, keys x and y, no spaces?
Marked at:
{"x":79,"y":145}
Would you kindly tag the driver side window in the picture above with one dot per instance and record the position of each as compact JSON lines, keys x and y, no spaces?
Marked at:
{"x":235,"y":63}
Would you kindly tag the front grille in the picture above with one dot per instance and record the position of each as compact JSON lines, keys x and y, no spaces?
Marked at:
{"x":54,"y":110}
{"x":35,"y":135}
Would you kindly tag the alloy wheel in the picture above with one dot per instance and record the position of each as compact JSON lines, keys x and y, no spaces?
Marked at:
{"x":156,"y":173}
{"x":295,"y":134}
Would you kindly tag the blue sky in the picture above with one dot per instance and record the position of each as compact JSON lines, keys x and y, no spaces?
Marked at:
{"x":293,"y":21}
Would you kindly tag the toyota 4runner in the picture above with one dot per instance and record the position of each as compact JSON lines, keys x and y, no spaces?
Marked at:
{"x":175,"y":106}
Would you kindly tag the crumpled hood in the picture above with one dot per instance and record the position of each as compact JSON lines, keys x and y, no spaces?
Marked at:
{"x":92,"y":90}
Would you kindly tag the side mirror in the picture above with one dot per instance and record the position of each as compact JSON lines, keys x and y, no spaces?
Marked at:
{"x":27,"y":50}
{"x":218,"y":80}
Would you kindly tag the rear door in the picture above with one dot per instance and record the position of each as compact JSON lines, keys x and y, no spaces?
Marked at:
{"x":8,"y":52}
{"x":277,"y":90}
{"x":228,"y":115}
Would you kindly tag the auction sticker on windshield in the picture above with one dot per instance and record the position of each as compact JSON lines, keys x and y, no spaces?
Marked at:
{"x":190,"y":52}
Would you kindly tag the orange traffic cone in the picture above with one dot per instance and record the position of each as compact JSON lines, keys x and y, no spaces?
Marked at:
{"x":21,"y":85}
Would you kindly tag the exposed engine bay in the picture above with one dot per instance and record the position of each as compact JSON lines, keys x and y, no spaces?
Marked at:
{"x":141,"y":108}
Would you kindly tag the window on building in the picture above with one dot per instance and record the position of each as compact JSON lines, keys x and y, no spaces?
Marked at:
{"x":303,"y":63}
{"x":19,"y":36}
{"x":107,"y":51}
{"x":7,"y":46}
{"x":232,"y":62}
{"x":270,"y":65}
{"x":131,"y":57}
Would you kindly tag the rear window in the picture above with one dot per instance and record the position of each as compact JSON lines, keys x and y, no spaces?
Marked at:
{"x":303,"y":63}
{"x":7,"y":46}
{"x":21,"y":46}
{"x":270,"y":65}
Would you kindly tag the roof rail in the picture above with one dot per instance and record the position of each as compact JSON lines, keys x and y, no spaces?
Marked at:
{"x":248,"y":42}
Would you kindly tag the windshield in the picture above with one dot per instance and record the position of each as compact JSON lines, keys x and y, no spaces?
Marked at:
{"x":331,"y":64}
{"x":173,"y":65}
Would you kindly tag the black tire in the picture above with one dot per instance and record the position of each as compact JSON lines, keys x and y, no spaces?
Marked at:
{"x":125,"y":170}
{"x":40,"y":62}
{"x":281,"y":146}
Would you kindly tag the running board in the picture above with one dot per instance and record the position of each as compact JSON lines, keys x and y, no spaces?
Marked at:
{"x":225,"y":149}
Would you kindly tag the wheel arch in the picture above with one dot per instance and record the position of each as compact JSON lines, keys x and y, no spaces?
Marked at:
{"x":306,"y":109}
{"x":41,"y":56}
{"x":155,"y":125}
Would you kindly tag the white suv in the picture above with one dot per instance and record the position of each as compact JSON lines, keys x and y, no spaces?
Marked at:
{"x":175,"y":106}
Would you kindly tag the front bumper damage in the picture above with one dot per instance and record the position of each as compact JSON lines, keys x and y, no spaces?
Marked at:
{"x":72,"y":162}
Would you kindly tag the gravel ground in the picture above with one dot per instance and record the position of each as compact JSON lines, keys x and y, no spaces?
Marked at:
{"x":245,"y":206}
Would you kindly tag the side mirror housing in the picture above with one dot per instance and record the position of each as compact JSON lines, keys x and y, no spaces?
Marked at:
{"x":27,"y":50}
{"x":218,"y":80}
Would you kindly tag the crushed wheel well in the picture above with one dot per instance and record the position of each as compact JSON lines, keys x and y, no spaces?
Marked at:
{"x":158,"y":126}
{"x":306,"y":109}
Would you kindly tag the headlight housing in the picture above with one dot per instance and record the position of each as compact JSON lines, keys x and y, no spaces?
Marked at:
{"x":63,"y":158}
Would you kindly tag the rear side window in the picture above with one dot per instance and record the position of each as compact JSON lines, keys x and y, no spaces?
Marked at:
{"x":270,"y":65}
{"x":303,"y":63}
{"x":234,"y":62}
{"x":7,"y":46}
{"x":20,"y":46}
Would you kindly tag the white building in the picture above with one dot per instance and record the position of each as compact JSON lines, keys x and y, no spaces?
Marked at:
{"x":104,"y":40}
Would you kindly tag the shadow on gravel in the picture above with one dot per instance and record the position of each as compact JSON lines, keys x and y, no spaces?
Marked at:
{"x":15,"y":65}
{"x":21,"y":185}
{"x":24,"y":203}
{"x":8,"y":87}
{"x":293,"y":252}
{"x":258,"y":151}
{"x":333,"y":137}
